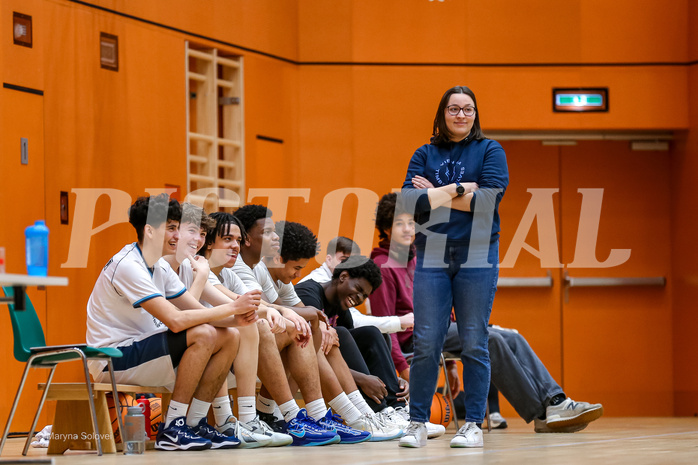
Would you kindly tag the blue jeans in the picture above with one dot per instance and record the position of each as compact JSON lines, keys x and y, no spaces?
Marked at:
{"x":517,"y":372}
{"x":440,"y":284}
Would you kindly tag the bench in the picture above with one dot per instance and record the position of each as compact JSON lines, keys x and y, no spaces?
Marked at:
{"x":72,"y":426}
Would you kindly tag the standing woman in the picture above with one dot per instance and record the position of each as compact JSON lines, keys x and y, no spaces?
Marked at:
{"x":454,"y":184}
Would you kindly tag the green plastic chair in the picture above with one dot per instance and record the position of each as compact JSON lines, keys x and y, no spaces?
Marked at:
{"x":30,"y":347}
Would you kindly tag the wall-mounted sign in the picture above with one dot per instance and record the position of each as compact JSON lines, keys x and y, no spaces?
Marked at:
{"x":580,"y":100}
{"x":109,"y":51}
{"x":22,"y":29}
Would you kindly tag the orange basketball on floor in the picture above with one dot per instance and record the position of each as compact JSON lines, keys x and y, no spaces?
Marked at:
{"x":155,"y":415}
{"x":126,"y":401}
{"x":441,"y":411}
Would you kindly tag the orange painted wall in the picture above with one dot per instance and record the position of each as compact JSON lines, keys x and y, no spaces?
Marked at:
{"x":341,"y":126}
{"x":684,"y":211}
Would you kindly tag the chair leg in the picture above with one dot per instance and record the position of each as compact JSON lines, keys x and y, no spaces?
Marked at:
{"x":14,"y":407}
{"x":38,"y":411}
{"x":447,"y":387}
{"x":117,"y":403}
{"x":487,"y":415}
{"x":91,"y":399}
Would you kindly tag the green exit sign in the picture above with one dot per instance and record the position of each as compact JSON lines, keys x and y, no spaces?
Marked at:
{"x":576,"y":100}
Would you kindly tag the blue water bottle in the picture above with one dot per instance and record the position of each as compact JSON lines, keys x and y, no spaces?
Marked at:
{"x":37,"y":248}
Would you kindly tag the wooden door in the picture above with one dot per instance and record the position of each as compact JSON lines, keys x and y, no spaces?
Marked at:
{"x":607,"y":339}
{"x":23,"y":202}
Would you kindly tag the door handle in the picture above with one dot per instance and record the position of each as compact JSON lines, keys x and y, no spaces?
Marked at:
{"x":614,"y":282}
{"x":569,"y":281}
{"x":546,"y":281}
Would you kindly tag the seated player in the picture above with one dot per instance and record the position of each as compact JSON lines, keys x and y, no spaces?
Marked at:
{"x":223,"y":245}
{"x":335,"y":376}
{"x":517,"y":372}
{"x":140,"y":306}
{"x":193,"y":271}
{"x":339,"y":249}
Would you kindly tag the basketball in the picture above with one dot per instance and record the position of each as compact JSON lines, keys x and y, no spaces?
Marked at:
{"x":126,"y":401}
{"x":440,"y":410}
{"x":155,"y":415}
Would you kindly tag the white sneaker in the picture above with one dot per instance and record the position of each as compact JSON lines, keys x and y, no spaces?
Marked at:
{"x":433,"y":430}
{"x":415,"y":436}
{"x":379,"y":430}
{"x":277,"y":439}
{"x":391,"y":416}
{"x":571,"y":413}
{"x":497,"y":421}
{"x":469,"y":435}
{"x":404,"y":412}
{"x":248,"y":439}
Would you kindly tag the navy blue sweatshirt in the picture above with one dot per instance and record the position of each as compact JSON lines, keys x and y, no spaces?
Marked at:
{"x":481,"y":161}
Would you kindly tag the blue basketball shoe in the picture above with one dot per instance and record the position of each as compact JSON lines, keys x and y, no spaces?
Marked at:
{"x":347,"y":435}
{"x":218,"y":440}
{"x":179,"y":436}
{"x":306,"y":432}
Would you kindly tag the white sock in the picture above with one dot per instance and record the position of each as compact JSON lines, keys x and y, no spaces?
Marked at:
{"x":197,"y":410}
{"x":289,"y":410}
{"x":343,"y":406}
{"x":246,"y":409}
{"x":316,"y":409}
{"x":265,"y":405}
{"x":277,"y":413}
{"x":175,"y":410}
{"x":222,"y":409}
{"x":359,"y":402}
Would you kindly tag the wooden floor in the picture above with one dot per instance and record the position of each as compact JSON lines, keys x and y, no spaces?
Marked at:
{"x":636,"y":441}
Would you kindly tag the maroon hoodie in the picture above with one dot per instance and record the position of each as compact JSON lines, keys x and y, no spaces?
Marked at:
{"x":394,"y":296}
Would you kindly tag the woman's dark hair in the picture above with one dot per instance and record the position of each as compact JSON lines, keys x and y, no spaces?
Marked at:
{"x":223,"y":221}
{"x":440,"y":134}
{"x":389,"y":206}
{"x":359,"y":266}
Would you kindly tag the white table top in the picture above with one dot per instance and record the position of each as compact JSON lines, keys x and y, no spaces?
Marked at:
{"x":7,"y":279}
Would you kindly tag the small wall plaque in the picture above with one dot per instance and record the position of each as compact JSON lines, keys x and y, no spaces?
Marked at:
{"x":22,"y":29}
{"x":109,"y":51}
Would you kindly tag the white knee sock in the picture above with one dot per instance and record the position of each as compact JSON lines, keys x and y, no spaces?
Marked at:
{"x":289,"y":410}
{"x":359,"y":402}
{"x":197,"y":410}
{"x":265,"y":405}
{"x":343,"y":406}
{"x":316,"y":409}
{"x":246,"y":409}
{"x":175,"y":410}
{"x":221,"y":409}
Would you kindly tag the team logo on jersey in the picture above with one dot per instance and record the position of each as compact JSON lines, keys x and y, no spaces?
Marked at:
{"x":449,"y":171}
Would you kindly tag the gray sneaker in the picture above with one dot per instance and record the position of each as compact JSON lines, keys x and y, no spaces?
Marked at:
{"x":248,"y":439}
{"x":469,"y":435}
{"x":571,"y":413}
{"x":416,"y":435}
{"x":539,"y":426}
{"x":276,"y":439}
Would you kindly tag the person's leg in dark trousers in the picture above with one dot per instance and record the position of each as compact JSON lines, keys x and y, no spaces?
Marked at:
{"x":377,"y":356}
{"x":355,"y":361}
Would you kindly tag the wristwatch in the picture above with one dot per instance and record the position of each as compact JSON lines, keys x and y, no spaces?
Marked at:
{"x":460,"y":190}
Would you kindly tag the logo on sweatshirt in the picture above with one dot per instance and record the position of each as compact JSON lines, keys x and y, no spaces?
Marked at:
{"x":449,"y":171}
